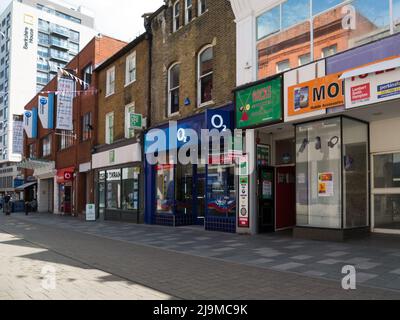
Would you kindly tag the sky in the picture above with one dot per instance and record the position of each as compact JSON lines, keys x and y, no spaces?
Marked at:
{"x":121,"y":19}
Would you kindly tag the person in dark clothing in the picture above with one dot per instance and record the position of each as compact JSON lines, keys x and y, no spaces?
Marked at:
{"x":7,"y":205}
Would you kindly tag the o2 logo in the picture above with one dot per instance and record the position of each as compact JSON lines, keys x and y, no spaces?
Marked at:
{"x":181,"y":135}
{"x":217,"y":121}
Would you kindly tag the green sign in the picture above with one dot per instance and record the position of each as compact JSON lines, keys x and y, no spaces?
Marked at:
{"x":259,"y":104}
{"x":136,"y":121}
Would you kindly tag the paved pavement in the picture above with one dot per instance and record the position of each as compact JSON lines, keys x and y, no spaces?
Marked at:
{"x":156,"y":262}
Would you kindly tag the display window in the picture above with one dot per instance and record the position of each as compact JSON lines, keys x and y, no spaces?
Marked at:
{"x":221,"y":193}
{"x":165,"y":188}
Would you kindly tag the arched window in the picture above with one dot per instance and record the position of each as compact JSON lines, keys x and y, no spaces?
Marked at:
{"x":176,"y":11}
{"x":205,"y":75}
{"x":173,"y":89}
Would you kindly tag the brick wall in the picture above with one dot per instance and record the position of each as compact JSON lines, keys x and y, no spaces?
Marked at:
{"x":136,"y":93}
{"x":215,"y":27}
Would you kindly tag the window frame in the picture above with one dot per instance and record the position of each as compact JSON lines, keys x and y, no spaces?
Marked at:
{"x":170,"y":90}
{"x":200,"y":76}
{"x":110,"y":90}
{"x":199,"y":7}
{"x":281,"y":62}
{"x":109,"y":129}
{"x":87,"y":120}
{"x":127,"y":120}
{"x":176,"y":19}
{"x":188,"y":10}
{"x":46,"y":146}
{"x":129,"y":58}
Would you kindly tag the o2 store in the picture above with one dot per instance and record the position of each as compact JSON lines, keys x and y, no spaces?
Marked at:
{"x":202,"y":194}
{"x":347,"y":143}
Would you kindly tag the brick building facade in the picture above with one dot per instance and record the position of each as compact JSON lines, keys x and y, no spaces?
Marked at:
{"x":55,"y":152}
{"x":123,"y":82}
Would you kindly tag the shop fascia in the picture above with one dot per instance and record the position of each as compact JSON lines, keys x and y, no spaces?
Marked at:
{"x":186,"y":143}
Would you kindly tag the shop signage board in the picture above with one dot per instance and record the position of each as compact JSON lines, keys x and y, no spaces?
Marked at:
{"x":318,"y":94}
{"x":65,"y":175}
{"x":218,"y":120}
{"x":244,"y":217}
{"x":260,"y":104}
{"x":90,"y":212}
{"x":372,"y":88}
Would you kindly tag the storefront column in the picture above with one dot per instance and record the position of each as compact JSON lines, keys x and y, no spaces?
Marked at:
{"x":56,"y":198}
{"x":38,"y":193}
{"x":250,"y":150}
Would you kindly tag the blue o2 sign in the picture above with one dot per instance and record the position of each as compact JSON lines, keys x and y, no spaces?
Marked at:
{"x":218,"y":120}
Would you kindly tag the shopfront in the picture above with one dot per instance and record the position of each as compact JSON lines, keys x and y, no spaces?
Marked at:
{"x":65,"y":180}
{"x":119,"y":184}
{"x":270,"y":147}
{"x":345,"y":113}
{"x":200,"y":192}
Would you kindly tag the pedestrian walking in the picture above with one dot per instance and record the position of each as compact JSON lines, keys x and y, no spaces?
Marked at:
{"x":7,"y":205}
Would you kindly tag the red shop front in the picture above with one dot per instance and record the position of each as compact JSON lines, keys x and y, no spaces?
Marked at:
{"x":65,"y":178}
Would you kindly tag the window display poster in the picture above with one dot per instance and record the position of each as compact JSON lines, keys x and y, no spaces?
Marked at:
{"x":325,"y":184}
{"x":263,"y":155}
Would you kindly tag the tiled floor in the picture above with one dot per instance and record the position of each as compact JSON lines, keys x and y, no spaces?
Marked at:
{"x":377,"y":259}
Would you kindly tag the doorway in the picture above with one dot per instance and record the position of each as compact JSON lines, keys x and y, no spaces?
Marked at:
{"x":266,"y":199}
{"x":285,"y":197}
{"x":386,"y":193}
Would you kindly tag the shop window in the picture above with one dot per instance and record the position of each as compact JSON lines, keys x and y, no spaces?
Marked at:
{"x":165,"y":188}
{"x":114,"y":189}
{"x":110,"y":128}
{"x":87,"y":126}
{"x":282,"y":66}
{"x":176,"y":11}
{"x":110,"y":85}
{"x":321,"y":6}
{"x":130,"y":188}
{"x":129,"y":132}
{"x":173,"y":89}
{"x":318,"y":148}
{"x":387,"y":211}
{"x":130,"y":72}
{"x":202,"y":4}
{"x":269,"y":22}
{"x":205,"y":75}
{"x":285,"y":152}
{"x":102,"y":191}
{"x":221,"y":192}
{"x":387,"y":171}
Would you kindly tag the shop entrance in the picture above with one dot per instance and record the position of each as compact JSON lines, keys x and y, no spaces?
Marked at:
{"x":285,"y":197}
{"x":266,"y":202}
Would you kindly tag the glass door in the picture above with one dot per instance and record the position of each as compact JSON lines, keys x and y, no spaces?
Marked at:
{"x":386,"y":193}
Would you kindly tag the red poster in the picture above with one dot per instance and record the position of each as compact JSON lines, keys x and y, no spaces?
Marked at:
{"x":361,"y":93}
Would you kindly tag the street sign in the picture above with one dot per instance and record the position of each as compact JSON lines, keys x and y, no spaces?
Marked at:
{"x":136,"y":121}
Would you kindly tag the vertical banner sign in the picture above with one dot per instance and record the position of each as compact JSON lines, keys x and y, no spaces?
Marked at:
{"x":65,"y":101}
{"x":46,"y":111}
{"x":18,"y":134}
{"x":244,"y":217}
{"x":30,"y":123}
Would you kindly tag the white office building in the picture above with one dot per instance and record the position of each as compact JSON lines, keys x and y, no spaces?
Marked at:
{"x":36,"y":37}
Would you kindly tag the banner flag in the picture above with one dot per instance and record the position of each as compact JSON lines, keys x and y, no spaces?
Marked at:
{"x":18,"y":135}
{"x":46,"y":111}
{"x":65,"y":99}
{"x":31,"y":122}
